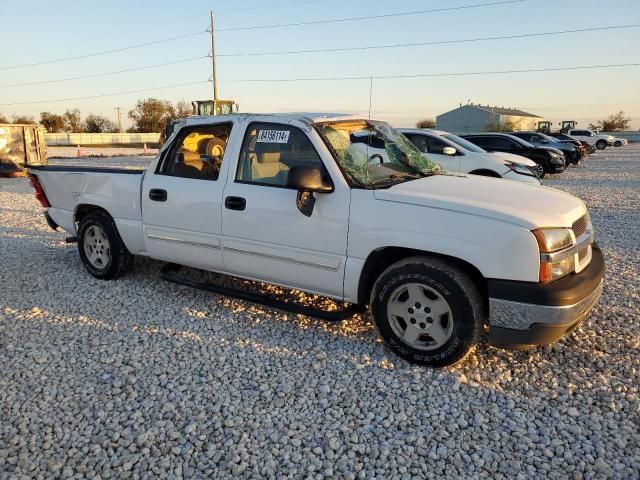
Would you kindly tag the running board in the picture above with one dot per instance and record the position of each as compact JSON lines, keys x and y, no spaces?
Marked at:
{"x":170,"y":273}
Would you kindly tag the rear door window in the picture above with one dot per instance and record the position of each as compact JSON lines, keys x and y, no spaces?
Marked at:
{"x":197,"y":152}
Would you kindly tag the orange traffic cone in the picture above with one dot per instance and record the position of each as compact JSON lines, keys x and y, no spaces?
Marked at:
{"x":78,"y":153}
{"x":145,"y":149}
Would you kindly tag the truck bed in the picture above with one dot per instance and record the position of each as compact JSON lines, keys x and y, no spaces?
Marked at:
{"x":116,"y":190}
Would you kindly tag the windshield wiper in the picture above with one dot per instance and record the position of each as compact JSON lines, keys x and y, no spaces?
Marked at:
{"x":393,"y":179}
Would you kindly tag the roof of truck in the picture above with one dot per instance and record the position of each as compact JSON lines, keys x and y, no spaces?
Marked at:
{"x":305,"y":117}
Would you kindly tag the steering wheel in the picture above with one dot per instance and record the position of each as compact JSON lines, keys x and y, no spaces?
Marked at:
{"x":376,"y":155}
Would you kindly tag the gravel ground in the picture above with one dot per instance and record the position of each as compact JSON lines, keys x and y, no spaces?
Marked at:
{"x":140,"y":378}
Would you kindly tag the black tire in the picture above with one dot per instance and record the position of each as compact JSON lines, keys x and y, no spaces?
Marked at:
{"x":119,"y":259}
{"x":601,"y":144}
{"x":451,"y":284}
{"x":617,"y":143}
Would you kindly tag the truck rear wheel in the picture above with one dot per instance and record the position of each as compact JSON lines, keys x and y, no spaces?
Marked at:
{"x":427,"y":311}
{"x":101,"y":249}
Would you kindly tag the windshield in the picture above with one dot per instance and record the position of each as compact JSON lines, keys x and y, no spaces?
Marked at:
{"x":522,"y":142}
{"x":373,"y":154}
{"x":466,"y":144}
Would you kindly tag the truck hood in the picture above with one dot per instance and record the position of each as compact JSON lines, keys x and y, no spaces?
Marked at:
{"x":527,"y":205}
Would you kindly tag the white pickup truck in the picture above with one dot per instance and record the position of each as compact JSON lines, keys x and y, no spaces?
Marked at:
{"x":592,"y":137}
{"x":297,"y":200}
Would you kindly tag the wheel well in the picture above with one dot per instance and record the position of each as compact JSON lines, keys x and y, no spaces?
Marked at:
{"x":85,"y":209}
{"x":380,"y":259}
{"x":485,"y":173}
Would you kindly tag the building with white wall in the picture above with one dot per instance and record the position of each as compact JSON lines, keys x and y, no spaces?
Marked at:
{"x":483,"y":118}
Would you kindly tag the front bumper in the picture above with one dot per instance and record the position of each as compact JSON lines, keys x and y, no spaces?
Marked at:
{"x":528,"y":313}
{"x":556,"y":167}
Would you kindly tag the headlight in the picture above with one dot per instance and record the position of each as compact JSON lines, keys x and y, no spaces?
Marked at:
{"x":519,"y":168}
{"x":556,"y":158}
{"x":552,"y":240}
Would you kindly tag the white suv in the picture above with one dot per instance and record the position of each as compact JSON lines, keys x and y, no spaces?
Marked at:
{"x":592,"y":137}
{"x":456,"y":154}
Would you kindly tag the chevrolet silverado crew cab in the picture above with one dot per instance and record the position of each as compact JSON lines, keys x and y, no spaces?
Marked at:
{"x":300,"y":201}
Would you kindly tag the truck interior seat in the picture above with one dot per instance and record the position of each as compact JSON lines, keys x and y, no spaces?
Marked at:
{"x":266,"y":165}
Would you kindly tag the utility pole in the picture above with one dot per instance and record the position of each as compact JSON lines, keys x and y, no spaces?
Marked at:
{"x":213,"y":64}
{"x":119,"y":119}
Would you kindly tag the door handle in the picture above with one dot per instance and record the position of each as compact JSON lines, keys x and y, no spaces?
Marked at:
{"x":235,"y":203}
{"x":158,"y":195}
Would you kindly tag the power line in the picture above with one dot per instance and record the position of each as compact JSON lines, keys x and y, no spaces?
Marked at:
{"x":104,"y":52}
{"x":270,"y":5}
{"x":107,"y":94}
{"x":104,"y":74}
{"x":341,"y":49}
{"x":369,"y":17}
{"x":420,"y":75}
{"x":367,"y":77}
{"x":436,"y":42}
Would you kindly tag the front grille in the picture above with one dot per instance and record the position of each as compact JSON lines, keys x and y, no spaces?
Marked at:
{"x":580,"y":226}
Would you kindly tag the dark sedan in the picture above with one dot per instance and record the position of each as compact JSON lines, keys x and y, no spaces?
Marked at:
{"x":571,"y":153}
{"x":587,"y":148}
{"x":549,"y":160}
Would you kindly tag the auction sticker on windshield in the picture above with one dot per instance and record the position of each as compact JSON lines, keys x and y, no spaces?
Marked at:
{"x":273,"y":136}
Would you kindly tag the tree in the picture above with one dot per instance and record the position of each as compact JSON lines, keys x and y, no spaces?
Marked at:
{"x":3,"y":119}
{"x":23,"y":119}
{"x":182,"y":109}
{"x":72,"y":121}
{"x":495,"y":125}
{"x":426,"y":123}
{"x":151,"y":115}
{"x":99,"y":124}
{"x":52,"y":122}
{"x":612,"y":123}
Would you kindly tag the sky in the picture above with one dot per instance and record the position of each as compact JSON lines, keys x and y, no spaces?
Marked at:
{"x":41,"y":31}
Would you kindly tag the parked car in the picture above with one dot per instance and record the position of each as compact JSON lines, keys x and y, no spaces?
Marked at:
{"x":618,"y":142}
{"x":598,"y":140}
{"x":549,"y":160}
{"x":294,"y":200}
{"x":571,"y":155}
{"x":456,"y":154}
{"x":587,"y":148}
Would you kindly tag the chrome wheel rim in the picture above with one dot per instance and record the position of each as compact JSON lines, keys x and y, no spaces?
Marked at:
{"x":540,"y":170}
{"x":96,"y":247}
{"x":420,"y":316}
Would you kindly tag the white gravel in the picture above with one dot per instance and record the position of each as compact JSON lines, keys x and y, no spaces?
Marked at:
{"x":139,"y":378}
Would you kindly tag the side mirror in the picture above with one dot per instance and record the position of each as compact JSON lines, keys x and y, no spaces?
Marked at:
{"x":307,"y":180}
{"x":451,"y":151}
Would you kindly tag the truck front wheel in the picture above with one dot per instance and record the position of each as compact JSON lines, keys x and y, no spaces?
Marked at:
{"x":427,"y":311}
{"x":101,"y":249}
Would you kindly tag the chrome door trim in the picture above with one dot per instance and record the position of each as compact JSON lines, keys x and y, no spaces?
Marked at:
{"x":322,"y":266}
{"x":185,"y":242}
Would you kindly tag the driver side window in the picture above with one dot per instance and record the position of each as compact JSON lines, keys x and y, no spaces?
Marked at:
{"x":270,"y":151}
{"x":436,"y":145}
